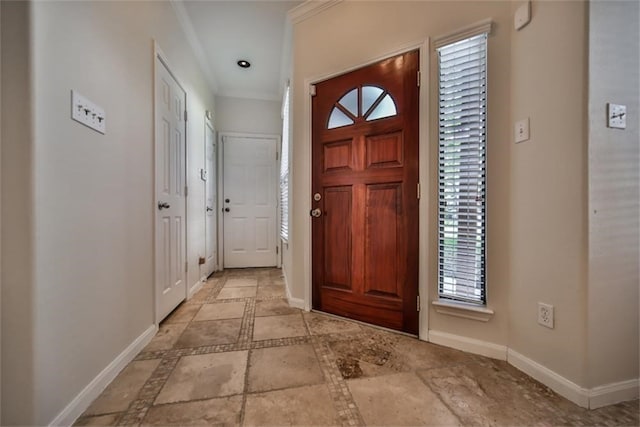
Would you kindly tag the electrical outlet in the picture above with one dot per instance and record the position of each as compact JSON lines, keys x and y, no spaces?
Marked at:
{"x":545,"y":315}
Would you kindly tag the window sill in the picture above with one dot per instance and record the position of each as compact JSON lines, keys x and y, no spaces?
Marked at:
{"x":460,"y":309}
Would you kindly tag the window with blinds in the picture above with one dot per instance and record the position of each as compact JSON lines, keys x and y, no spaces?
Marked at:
{"x":462,"y":69}
{"x":284,"y":169}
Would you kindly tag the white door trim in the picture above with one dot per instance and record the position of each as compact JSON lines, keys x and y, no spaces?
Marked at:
{"x":208,"y":123}
{"x":425,"y":203}
{"x":160,"y":55}
{"x":221,"y":137}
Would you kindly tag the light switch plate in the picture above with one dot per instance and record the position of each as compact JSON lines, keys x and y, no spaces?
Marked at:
{"x":522,"y":16}
{"x":88,"y":113}
{"x":617,"y":116}
{"x":521,"y":130}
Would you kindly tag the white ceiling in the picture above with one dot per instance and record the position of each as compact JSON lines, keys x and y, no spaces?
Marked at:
{"x":231,"y":30}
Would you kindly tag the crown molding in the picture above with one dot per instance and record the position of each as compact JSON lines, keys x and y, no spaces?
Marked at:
{"x":309,"y":9}
{"x":196,"y":47}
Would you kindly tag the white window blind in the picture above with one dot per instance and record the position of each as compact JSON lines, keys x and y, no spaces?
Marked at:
{"x":462,"y":68}
{"x":284,"y":169}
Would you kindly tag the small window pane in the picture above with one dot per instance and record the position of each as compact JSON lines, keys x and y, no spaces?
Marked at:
{"x":369,"y":95}
{"x":386,"y":108}
{"x":338,"y":119}
{"x":350,"y":102}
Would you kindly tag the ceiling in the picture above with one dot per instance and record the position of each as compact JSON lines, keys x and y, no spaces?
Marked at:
{"x":223,"y":32}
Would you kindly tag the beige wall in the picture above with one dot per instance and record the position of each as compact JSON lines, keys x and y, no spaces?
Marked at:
{"x":91,"y":257}
{"x":361,"y":32}
{"x":18,"y":318}
{"x":549,"y":187}
{"x":248,"y":115}
{"x":614,"y":181}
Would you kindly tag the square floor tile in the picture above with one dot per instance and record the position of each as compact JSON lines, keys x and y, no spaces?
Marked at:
{"x":240,"y":282}
{"x":310,"y":405}
{"x":274,"y":307}
{"x":272,"y":327}
{"x":166,"y":336}
{"x":184,"y":313}
{"x":231,"y":310}
{"x":205,"y":376}
{"x":124,"y":388}
{"x":400,"y":399}
{"x":283,"y":367}
{"x":224,"y":411}
{"x":239,"y":292}
{"x":210,"y":332}
{"x":271,"y":291}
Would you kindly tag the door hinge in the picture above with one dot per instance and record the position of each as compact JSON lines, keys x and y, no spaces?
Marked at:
{"x":277,"y":250}
{"x":186,"y":266}
{"x":418,"y":303}
{"x":418,"y":191}
{"x":186,"y":191}
{"x":185,"y":115}
{"x":312,"y":90}
{"x":419,"y":77}
{"x":277,"y":157}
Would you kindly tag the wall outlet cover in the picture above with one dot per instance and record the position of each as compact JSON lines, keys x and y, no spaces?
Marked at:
{"x":545,"y":315}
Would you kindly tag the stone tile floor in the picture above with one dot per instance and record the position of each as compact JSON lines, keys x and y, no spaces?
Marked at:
{"x":236,"y":353}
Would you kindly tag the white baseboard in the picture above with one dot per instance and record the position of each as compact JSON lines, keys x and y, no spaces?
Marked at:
{"x":82,"y":401}
{"x":556,"y":382}
{"x":613,"y":393}
{"x":293,"y":302}
{"x":471,"y":345}
{"x":195,"y":288}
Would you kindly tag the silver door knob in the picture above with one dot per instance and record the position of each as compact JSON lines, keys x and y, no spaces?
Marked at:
{"x":163,"y":205}
{"x":316,"y":213}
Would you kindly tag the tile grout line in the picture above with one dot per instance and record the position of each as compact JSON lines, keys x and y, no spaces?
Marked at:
{"x":245,"y":338}
{"x":340,"y":395}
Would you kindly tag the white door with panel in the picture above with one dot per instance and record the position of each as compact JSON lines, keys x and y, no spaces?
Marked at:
{"x":170,"y":166}
{"x":211,"y":202}
{"x":249,"y":201}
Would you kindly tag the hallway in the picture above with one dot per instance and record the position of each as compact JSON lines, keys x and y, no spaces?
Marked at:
{"x":236,"y":353}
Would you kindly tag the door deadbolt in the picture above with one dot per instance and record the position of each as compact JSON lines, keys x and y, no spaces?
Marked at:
{"x":316,"y":213}
{"x":227,"y":200}
{"x":317,"y":197}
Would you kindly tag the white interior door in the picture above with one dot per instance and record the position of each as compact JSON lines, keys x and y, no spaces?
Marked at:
{"x":211,"y":202}
{"x":250,"y":201}
{"x":170,"y":191}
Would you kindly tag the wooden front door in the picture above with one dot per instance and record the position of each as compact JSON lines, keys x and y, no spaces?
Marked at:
{"x":365,"y":194}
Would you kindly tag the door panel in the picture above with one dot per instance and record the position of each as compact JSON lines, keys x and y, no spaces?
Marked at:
{"x":365,"y":166}
{"x":250,"y":237}
{"x":170,"y":186}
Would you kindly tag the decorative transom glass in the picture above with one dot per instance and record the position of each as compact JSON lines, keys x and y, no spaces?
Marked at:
{"x":370,"y":102}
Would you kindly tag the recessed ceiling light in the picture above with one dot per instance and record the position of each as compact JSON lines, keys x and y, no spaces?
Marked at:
{"x":243,"y":63}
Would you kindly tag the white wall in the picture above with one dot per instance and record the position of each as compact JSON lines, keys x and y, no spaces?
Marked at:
{"x":90,"y":259}
{"x":614,"y":186}
{"x":248,"y":115}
